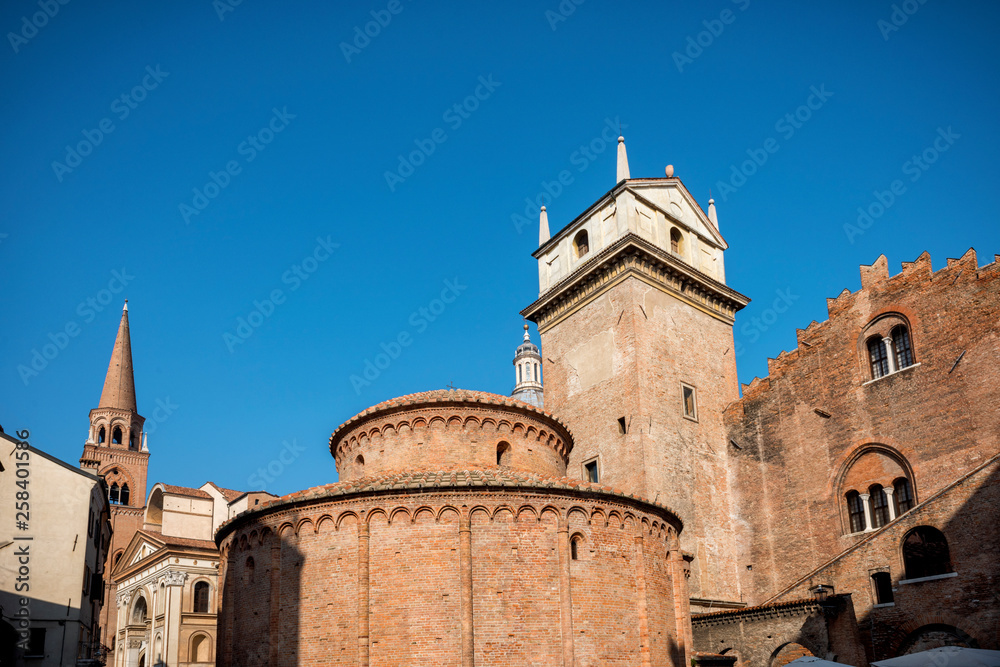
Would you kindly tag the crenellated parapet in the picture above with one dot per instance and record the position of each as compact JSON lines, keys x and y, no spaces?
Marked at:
{"x":880,"y":294}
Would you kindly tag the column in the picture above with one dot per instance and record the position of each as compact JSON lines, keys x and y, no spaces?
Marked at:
{"x":868,"y":511}
{"x":363,"y":589}
{"x":640,"y":592}
{"x":228,"y":607}
{"x":679,"y":573}
{"x":565,"y":596}
{"x":465,"y":566}
{"x":890,"y":355}
{"x":892,"y":506}
{"x":274,"y":620}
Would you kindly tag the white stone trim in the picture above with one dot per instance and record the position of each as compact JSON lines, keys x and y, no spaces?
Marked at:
{"x":901,"y":370}
{"x":934,"y":577}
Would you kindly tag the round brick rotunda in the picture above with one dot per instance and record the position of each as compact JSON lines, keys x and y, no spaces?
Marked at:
{"x":453,"y":538}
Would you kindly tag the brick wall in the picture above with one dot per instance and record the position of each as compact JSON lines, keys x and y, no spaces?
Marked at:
{"x":937,"y":419}
{"x":625,"y":354}
{"x":533,"y":604}
{"x":447,"y":430}
{"x":968,"y":513}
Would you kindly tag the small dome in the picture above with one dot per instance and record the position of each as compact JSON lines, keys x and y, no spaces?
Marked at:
{"x":526,"y":347}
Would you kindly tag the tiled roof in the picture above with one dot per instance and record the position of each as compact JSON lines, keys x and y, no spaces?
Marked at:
{"x":801,"y":602}
{"x":229,"y":494}
{"x":174,"y":541}
{"x":446,"y":396}
{"x":490,"y":477}
{"x":185,"y":491}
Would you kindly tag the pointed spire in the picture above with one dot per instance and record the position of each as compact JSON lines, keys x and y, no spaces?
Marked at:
{"x":543,"y":227}
{"x":145,"y":442}
{"x":712,"y":215}
{"x":119,"y":385}
{"x":622,"y":161}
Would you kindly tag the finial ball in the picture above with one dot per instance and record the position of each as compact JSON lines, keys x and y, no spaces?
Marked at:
{"x":670,"y":171}
{"x":525,"y":327}
{"x":621,"y":139}
{"x":543,"y":208}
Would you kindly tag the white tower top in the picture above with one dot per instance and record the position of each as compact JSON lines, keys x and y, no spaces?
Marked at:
{"x":528,"y":372}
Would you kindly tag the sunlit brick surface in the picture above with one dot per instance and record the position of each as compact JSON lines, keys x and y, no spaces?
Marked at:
{"x":451,"y":565}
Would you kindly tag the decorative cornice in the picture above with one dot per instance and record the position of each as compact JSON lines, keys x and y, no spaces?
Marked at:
{"x":800,"y":607}
{"x":430,"y":405}
{"x":631,"y":255}
{"x":447,"y":488}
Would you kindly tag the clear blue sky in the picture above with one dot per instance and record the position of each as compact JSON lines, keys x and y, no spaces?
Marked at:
{"x":553,"y":84}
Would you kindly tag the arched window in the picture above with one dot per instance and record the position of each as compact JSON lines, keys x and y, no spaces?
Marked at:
{"x":123,"y":497}
{"x":131,"y":440}
{"x":113,"y":494}
{"x":925,"y":553}
{"x":101,"y":435}
{"x":676,"y":241}
{"x":581,"y":244}
{"x":199,"y":649}
{"x":520,"y":373}
{"x":856,"y":510}
{"x":574,"y":547}
{"x":359,"y":464}
{"x":139,"y":612}
{"x":201,"y":597}
{"x":878,"y":358}
{"x":503,"y":454}
{"x":116,"y":436}
{"x":538,"y":378}
{"x":902,"y":495}
{"x":249,"y":570}
{"x":901,"y":343}
{"x":117,"y":557}
{"x":880,"y":505}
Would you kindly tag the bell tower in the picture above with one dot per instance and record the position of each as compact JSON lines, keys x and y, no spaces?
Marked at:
{"x":528,"y":372}
{"x":116,"y":449}
{"x":636,"y":322}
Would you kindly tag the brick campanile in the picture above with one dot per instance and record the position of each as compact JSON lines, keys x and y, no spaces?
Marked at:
{"x":636,"y":324}
{"x":115,"y":449}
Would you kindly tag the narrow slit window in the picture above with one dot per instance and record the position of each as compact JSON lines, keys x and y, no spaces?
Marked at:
{"x":690,"y":399}
{"x":581,"y":244}
{"x":574,"y":547}
{"x":622,"y":428}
